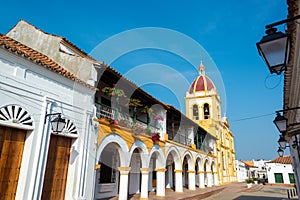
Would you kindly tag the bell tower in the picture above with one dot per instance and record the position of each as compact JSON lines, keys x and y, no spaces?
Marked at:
{"x":203,"y":102}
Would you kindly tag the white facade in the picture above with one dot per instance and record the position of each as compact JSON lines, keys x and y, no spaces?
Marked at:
{"x":32,"y":88}
{"x":283,"y":170}
{"x":242,"y":172}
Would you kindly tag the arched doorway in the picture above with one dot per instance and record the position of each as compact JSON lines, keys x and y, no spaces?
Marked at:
{"x":135,"y":173}
{"x":152,"y":174}
{"x":185,"y":174}
{"x":205,"y":168}
{"x":197,"y":170}
{"x":107,"y":177}
{"x":170,"y":174}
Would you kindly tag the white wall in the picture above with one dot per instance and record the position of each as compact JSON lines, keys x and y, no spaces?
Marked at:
{"x":273,"y":168}
{"x":39,"y":90}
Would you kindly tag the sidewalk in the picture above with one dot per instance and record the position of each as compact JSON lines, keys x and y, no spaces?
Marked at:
{"x":232,"y":191}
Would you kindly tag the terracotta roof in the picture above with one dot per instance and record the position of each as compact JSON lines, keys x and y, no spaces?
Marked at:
{"x":249,"y":163}
{"x":39,"y":58}
{"x":282,"y":160}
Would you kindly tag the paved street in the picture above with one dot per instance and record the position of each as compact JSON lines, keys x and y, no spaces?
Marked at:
{"x":258,"y":192}
{"x":233,"y":191}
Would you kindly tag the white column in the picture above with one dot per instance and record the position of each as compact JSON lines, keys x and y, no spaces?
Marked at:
{"x":160,"y":182}
{"x":209,"y":179}
{"x":215,"y":175}
{"x":170,"y":178}
{"x":123,"y":186}
{"x":192,"y":184}
{"x":145,"y":181}
{"x":201,"y":179}
{"x":178,"y":180}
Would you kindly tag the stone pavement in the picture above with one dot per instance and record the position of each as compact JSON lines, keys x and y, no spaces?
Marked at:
{"x":233,"y":191}
{"x":237,"y":191}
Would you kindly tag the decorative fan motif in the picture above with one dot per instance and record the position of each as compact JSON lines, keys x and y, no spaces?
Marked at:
{"x":15,"y":114}
{"x":70,"y":127}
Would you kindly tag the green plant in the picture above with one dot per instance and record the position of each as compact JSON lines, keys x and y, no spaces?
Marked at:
{"x":111,"y":91}
{"x":134,"y":102}
{"x":249,"y":180}
{"x":147,"y":110}
{"x":255,"y":179}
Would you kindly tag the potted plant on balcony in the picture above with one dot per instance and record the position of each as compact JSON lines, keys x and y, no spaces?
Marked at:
{"x":134,"y":103}
{"x":155,"y":138}
{"x":114,"y":92}
{"x":158,"y":118}
{"x":147,"y":111}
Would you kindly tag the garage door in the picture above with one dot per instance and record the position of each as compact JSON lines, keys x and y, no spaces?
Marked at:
{"x":11,"y":151}
{"x":57,"y":168}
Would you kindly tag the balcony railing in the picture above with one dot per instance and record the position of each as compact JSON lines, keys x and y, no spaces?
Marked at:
{"x":104,"y":111}
{"x":181,"y":138}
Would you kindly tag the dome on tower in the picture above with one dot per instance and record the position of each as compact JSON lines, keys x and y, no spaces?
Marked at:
{"x":202,"y":83}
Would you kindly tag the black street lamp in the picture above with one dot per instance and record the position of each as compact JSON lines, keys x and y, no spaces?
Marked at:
{"x":280,"y":152}
{"x":282,"y":142}
{"x":58,"y":123}
{"x":274,"y":49}
{"x":280,"y":122}
{"x":275,"y":46}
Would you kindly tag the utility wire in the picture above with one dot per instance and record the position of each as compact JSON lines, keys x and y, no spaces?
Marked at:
{"x":254,"y":117}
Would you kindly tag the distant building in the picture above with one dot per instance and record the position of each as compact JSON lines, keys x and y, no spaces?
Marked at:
{"x":242,"y":171}
{"x":280,"y":171}
{"x":256,"y":168}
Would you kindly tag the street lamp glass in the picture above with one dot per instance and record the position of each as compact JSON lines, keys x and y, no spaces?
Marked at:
{"x":282,"y":142}
{"x":280,"y":152}
{"x":58,"y":124}
{"x":274,"y":49}
{"x":280,"y":122}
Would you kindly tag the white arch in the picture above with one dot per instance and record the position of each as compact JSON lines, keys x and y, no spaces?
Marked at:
{"x":144,"y":152}
{"x":190,"y":160}
{"x":16,"y":116}
{"x":120,"y":142}
{"x":160,"y":156}
{"x":176,"y":157}
{"x":199,"y":161}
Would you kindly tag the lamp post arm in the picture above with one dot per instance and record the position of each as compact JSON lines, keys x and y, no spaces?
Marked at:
{"x":282,"y":22}
{"x":284,"y":110}
{"x":50,"y":114}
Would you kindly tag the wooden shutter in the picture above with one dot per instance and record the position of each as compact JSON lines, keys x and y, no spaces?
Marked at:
{"x":11,"y":151}
{"x":57,"y":168}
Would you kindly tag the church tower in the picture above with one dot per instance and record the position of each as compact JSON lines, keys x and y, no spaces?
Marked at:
{"x":203,"y":103}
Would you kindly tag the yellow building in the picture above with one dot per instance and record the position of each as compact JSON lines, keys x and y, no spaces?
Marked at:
{"x":203,"y":105}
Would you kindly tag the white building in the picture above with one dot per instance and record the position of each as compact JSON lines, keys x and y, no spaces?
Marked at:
{"x":242,"y":171}
{"x":280,"y":171}
{"x":35,"y":162}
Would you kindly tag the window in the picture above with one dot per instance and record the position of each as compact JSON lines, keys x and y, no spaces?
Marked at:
{"x":278,"y":178}
{"x":206,"y":111}
{"x":195,"y":112}
{"x":292,"y":177}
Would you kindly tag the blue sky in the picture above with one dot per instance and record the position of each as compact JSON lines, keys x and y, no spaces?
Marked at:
{"x":227,"y":30}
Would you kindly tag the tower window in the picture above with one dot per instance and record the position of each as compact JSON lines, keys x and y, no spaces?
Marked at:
{"x":195,"y":112}
{"x":206,"y":111}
